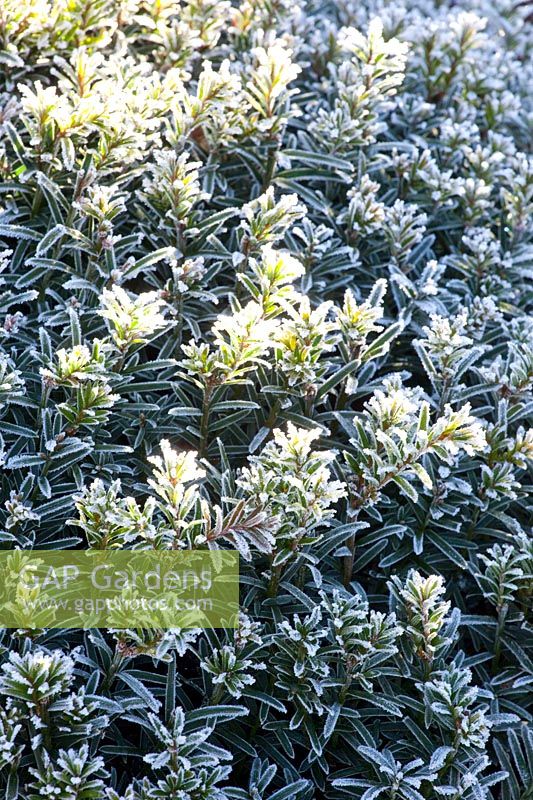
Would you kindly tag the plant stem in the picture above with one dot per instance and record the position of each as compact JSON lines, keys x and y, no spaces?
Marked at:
{"x":204,"y":422}
{"x":347,"y":567}
{"x":274,"y":581}
{"x":502,"y":615}
{"x":270,"y":166}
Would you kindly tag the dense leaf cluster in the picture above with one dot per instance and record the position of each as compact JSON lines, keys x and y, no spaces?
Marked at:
{"x":264,"y":285}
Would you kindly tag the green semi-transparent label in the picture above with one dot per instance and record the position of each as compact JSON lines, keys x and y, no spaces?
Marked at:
{"x":118,"y":589}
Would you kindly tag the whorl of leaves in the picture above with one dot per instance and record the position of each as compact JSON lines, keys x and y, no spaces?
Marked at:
{"x":264,"y":285}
